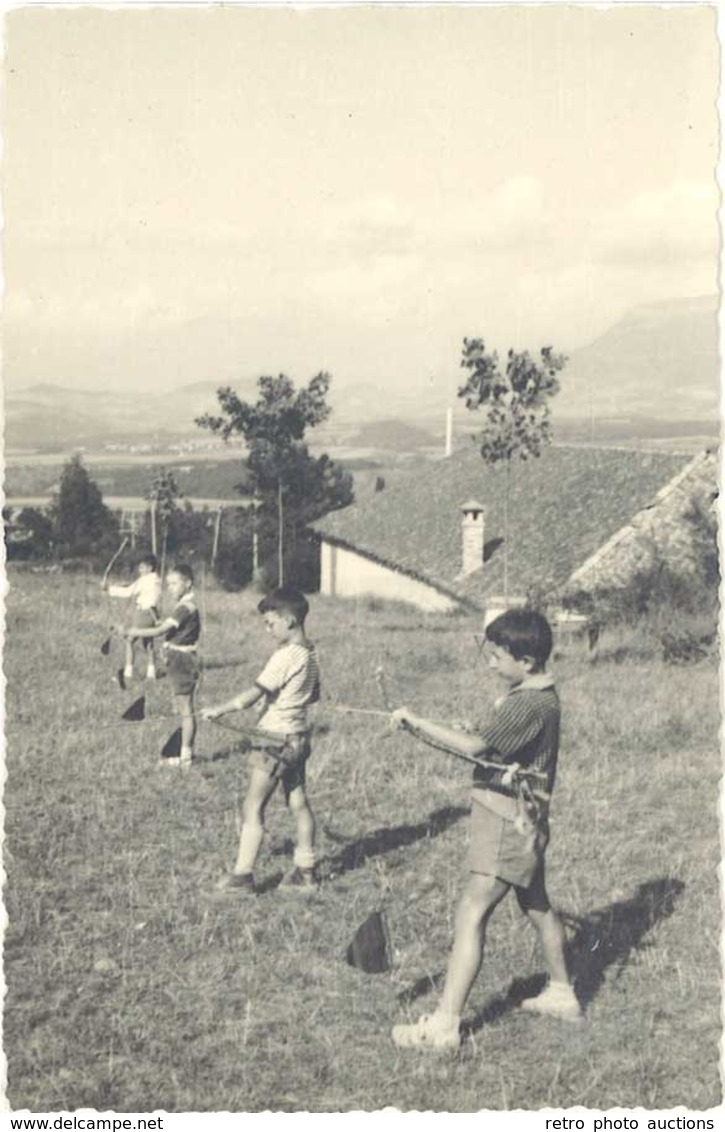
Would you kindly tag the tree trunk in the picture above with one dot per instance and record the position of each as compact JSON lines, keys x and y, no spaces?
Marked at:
{"x":163,"y":552}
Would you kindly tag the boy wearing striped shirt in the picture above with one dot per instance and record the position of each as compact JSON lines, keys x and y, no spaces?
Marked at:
{"x":287,"y":685}
{"x":509,"y":826}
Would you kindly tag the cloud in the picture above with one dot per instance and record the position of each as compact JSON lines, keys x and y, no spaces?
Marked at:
{"x":676,"y":223}
{"x":369,"y":227}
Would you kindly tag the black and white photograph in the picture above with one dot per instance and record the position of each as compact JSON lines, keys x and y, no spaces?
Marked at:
{"x":362,"y":715}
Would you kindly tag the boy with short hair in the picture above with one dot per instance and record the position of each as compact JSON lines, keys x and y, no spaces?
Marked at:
{"x":288,"y":684}
{"x":181,"y":630}
{"x":146,"y":589}
{"x":509,"y":825}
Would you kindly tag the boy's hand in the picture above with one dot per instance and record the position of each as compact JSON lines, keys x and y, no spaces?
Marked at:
{"x":210,"y":713}
{"x":104,"y":585}
{"x":400,"y":718}
{"x":466,"y":725}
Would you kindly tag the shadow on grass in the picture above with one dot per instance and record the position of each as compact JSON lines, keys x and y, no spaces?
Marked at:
{"x":422,"y":986}
{"x":385,"y":840}
{"x":607,"y":937}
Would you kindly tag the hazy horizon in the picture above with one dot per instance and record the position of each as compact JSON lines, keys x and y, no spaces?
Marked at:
{"x":198,"y":195}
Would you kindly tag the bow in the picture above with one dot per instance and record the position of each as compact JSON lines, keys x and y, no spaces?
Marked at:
{"x":111,"y":563}
{"x":513,"y":773}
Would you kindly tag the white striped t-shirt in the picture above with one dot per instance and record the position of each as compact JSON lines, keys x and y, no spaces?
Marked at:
{"x":290,"y":681}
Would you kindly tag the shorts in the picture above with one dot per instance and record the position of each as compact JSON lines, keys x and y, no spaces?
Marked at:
{"x":291,"y":772}
{"x":144,"y":619}
{"x":183,"y":670}
{"x":497,"y":848}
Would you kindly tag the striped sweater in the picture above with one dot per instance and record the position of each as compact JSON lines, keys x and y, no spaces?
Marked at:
{"x":525,"y":730}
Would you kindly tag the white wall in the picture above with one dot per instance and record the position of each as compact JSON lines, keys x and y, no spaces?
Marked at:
{"x":343,"y":573}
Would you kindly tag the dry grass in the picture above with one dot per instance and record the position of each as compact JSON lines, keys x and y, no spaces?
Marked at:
{"x":128,"y":989}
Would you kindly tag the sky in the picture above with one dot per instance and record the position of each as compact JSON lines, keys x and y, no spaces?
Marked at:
{"x":204,"y":194}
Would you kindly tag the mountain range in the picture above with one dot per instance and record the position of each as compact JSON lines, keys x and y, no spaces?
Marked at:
{"x":659,"y":362}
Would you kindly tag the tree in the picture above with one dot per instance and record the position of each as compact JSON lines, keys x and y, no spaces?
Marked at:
{"x":287,"y":481}
{"x":29,"y":534}
{"x":82,"y":524}
{"x":163,"y":495}
{"x":516,"y":403}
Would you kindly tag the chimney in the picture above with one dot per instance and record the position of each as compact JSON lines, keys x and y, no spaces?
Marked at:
{"x":473,"y":528}
{"x":449,"y":431}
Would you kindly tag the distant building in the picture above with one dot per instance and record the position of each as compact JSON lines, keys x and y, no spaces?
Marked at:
{"x":579,"y":518}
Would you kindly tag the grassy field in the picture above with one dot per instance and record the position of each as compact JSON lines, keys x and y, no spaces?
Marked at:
{"x":129,"y":989}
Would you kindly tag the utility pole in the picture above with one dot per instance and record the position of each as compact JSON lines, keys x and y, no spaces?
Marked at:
{"x":449,"y":431}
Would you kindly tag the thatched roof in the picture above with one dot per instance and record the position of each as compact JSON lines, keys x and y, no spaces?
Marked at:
{"x":562,"y":508}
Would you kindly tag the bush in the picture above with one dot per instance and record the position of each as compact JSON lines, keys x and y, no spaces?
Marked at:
{"x":673,"y":615}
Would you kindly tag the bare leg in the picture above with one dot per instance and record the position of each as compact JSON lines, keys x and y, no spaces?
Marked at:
{"x":188,"y":723}
{"x":535,"y":903}
{"x":148,"y":645}
{"x":479,"y":899}
{"x":305,"y":823}
{"x":128,"y":657}
{"x":261,"y":788}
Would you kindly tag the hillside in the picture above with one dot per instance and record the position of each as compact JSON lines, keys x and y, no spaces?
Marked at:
{"x":48,"y":416}
{"x":659,"y":361}
{"x":395,"y":435}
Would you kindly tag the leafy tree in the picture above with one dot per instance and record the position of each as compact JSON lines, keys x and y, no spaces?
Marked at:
{"x":287,"y":481}
{"x":515,"y":400}
{"x":82,"y":524}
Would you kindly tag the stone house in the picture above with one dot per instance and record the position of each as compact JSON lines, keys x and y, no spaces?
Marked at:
{"x":578,"y":518}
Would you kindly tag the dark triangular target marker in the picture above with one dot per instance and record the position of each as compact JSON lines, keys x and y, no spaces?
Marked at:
{"x":137,"y":711}
{"x":172,"y":747}
{"x":370,"y":948}
{"x":106,"y":646}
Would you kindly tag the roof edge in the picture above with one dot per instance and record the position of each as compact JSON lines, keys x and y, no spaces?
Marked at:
{"x":613,"y":541}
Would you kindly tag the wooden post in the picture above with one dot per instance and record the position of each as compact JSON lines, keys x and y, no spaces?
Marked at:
{"x":255,"y":537}
{"x":154,"y":546}
{"x":217,"y":529}
{"x":280,"y":535}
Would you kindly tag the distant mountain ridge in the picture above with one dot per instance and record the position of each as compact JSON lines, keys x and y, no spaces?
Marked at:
{"x":660,"y":361}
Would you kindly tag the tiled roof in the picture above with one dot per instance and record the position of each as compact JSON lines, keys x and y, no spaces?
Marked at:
{"x":562,"y":508}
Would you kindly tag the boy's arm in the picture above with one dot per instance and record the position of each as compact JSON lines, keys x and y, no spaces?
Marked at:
{"x":459,"y":740}
{"x":159,"y":630}
{"x":244,"y":700}
{"x":119,"y":591}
